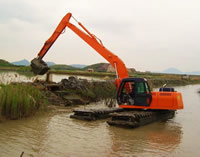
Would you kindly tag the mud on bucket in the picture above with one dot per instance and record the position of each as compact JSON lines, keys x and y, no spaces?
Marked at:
{"x":39,"y":67}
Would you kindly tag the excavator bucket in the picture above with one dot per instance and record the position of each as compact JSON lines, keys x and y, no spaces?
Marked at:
{"x":39,"y":67}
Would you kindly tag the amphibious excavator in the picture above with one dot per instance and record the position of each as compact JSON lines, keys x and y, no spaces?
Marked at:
{"x":132,"y":93}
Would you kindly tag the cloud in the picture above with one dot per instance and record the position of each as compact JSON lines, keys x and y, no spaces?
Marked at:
{"x":146,"y":34}
{"x":18,"y":9}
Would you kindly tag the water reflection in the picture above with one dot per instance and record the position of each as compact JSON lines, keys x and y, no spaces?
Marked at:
{"x":59,"y":77}
{"x":27,"y":135}
{"x":157,"y":139}
{"x":8,"y":77}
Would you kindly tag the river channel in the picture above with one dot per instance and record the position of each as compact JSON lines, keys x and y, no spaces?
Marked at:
{"x":54,"y":134}
{"x":8,"y":77}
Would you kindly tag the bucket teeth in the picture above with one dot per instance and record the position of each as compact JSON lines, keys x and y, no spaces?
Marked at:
{"x":39,"y":67}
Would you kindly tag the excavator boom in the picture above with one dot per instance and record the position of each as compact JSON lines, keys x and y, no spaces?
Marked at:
{"x":39,"y":67}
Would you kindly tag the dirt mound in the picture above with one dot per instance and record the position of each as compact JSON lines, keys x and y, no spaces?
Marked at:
{"x":73,"y":91}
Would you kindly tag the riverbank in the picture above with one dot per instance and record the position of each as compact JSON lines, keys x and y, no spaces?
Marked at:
{"x":21,"y":100}
{"x":157,"y":79}
{"x":74,"y":91}
{"x":155,"y":83}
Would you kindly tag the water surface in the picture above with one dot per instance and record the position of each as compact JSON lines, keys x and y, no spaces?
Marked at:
{"x":55,"y":134}
{"x":8,"y":77}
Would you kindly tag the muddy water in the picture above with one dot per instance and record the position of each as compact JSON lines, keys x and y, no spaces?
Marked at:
{"x":59,"y":77}
{"x":55,"y":134}
{"x":8,"y":77}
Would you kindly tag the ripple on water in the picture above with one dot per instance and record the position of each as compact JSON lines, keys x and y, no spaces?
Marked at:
{"x":55,"y":134}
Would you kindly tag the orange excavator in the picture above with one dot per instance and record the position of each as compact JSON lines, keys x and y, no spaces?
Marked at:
{"x":132,"y":93}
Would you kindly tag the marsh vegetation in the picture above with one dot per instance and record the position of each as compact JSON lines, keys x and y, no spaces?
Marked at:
{"x":20,"y":100}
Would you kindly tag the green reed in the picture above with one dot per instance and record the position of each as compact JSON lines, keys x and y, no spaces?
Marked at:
{"x":20,"y":100}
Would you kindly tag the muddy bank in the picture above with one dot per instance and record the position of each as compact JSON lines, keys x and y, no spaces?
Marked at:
{"x":73,"y":91}
{"x":19,"y":100}
{"x":68,"y":92}
{"x":155,"y":83}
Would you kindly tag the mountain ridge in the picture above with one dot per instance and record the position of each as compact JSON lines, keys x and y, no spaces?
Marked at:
{"x":173,"y":70}
{"x":78,"y":65}
{"x":23,"y":62}
{"x":100,"y":67}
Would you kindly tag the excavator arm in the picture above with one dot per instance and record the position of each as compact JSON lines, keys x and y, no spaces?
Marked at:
{"x":40,"y":67}
{"x":137,"y":94}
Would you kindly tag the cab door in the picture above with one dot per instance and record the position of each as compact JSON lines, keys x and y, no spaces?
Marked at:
{"x":134,"y":92}
{"x":142,"y":94}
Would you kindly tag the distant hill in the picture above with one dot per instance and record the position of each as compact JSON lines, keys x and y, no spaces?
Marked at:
{"x":193,"y":73}
{"x":105,"y":67}
{"x":23,"y":62}
{"x":4,"y":63}
{"x":50,"y":63}
{"x":176,"y":71}
{"x":78,"y":65}
{"x":172,"y":71}
{"x":63,"y":67}
{"x":100,"y":67}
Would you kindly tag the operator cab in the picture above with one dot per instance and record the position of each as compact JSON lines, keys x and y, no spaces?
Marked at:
{"x":134,"y":91}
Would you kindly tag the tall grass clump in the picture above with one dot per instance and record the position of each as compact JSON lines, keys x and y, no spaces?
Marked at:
{"x":20,"y":100}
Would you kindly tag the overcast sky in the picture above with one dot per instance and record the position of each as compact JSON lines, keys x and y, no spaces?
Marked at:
{"x":148,"y":35}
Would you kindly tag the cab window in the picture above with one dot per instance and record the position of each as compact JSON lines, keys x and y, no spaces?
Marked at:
{"x":147,"y":88}
{"x":140,"y":88}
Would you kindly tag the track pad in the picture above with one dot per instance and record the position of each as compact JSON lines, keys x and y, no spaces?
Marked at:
{"x":39,"y":67}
